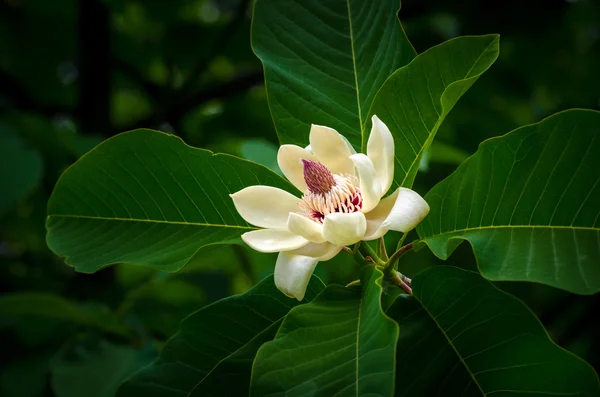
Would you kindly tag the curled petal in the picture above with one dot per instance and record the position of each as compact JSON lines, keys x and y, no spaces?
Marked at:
{"x":369,"y":187}
{"x":292,"y":274}
{"x":344,"y":229}
{"x":331,"y":149}
{"x":380,"y":149}
{"x":265,"y":206}
{"x":289,"y":158}
{"x":379,"y":214}
{"x":408,"y":211}
{"x":302,"y":226}
{"x":273,"y":240}
{"x":322,"y":252}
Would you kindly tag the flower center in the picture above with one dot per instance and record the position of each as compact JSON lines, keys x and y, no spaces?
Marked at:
{"x":327,"y":192}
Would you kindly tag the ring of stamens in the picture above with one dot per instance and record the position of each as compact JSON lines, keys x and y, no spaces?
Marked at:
{"x":328,"y":193}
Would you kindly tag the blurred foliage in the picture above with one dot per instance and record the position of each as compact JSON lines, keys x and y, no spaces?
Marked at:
{"x":73,"y":73}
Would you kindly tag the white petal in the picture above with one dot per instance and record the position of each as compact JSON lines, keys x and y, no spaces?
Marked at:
{"x":289,"y":158}
{"x":380,"y":149}
{"x":331,"y":149}
{"x":292,"y":274}
{"x":273,"y":240}
{"x":409,"y":209}
{"x":344,"y":229}
{"x":322,"y":252}
{"x":350,"y":147}
{"x":302,"y":226}
{"x":265,"y":206}
{"x":377,"y":215}
{"x":369,"y":187}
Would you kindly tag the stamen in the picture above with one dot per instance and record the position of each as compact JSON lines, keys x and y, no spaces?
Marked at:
{"x":318,"y":177}
{"x":343,"y":196}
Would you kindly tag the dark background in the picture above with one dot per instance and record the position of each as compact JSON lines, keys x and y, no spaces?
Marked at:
{"x":73,"y":73}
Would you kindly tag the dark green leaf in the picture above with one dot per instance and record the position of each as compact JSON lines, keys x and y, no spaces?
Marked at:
{"x":219,"y":340}
{"x":414,"y":101}
{"x":528,"y":202}
{"x":20,"y":169}
{"x":145,"y":197}
{"x":19,"y":306}
{"x":346,"y":334}
{"x":461,"y":336}
{"x":25,"y":376}
{"x":324,"y":61}
{"x":94,"y":368}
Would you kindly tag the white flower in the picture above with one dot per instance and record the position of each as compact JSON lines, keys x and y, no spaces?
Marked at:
{"x":341,"y":203}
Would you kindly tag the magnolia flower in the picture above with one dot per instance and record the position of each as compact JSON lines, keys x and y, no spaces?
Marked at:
{"x":342,"y":203}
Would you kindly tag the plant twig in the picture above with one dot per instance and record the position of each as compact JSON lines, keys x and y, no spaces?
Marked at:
{"x":401,"y":280}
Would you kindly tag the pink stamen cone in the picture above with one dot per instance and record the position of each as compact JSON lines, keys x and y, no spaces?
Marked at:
{"x":318,"y":177}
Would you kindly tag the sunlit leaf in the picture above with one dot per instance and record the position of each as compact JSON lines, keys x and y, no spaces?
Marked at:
{"x":461,"y":336}
{"x":324,"y":61}
{"x":217,"y":341}
{"x":340,"y":344}
{"x":528,"y":202}
{"x":414,"y":101}
{"x":145,"y":197}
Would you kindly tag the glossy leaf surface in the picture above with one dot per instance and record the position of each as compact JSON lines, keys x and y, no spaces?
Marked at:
{"x":347,"y":334}
{"x":145,"y":197}
{"x":461,"y":336}
{"x":324,"y":61}
{"x":211,"y":341}
{"x":529,"y":204}
{"x":414,"y":101}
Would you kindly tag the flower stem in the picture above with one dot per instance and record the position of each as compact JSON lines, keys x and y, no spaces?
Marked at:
{"x":403,"y":250}
{"x":399,"y":246}
{"x":367,"y":251}
{"x":382,"y":250}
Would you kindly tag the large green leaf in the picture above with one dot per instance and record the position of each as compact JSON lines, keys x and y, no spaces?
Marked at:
{"x":529,"y":204}
{"x":461,"y":336}
{"x":340,"y":344}
{"x":145,"y":197}
{"x":218,"y":341}
{"x":324,"y":61}
{"x":414,"y":101}
{"x":20,"y":169}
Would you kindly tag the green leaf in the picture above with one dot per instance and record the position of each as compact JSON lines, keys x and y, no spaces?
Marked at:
{"x":414,"y":101}
{"x":262,"y":152}
{"x":461,"y":336}
{"x":339,"y":344}
{"x":26,"y":375}
{"x":22,"y":306}
{"x":528,"y":204}
{"x":211,"y":342}
{"x":146,"y":198}
{"x":20,"y":169}
{"x":324,"y":61}
{"x":94,"y":368}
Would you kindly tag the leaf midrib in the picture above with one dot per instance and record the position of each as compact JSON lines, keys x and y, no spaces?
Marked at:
{"x":513,"y":227}
{"x":354,"y":72}
{"x":152,"y":221}
{"x":443,"y":114}
{"x":454,"y":348}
